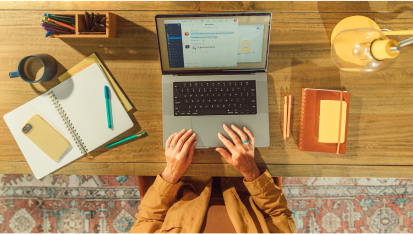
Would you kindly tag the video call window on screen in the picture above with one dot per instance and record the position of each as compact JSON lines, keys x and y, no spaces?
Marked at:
{"x":212,"y":43}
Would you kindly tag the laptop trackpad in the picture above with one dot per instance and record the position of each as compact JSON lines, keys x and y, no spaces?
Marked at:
{"x":207,"y":128}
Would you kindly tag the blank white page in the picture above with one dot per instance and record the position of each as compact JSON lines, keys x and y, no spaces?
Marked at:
{"x":83,"y":99}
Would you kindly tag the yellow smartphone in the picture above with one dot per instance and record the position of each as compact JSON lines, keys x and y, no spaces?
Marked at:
{"x":48,"y":139}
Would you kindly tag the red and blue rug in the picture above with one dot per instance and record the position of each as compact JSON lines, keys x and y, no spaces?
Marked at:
{"x":103,"y":204}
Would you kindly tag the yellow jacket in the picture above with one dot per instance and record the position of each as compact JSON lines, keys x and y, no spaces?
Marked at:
{"x":181,"y":207}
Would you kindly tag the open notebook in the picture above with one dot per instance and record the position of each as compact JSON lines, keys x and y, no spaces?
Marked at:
{"x":76,"y":108}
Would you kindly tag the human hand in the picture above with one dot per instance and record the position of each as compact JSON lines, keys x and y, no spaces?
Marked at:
{"x":242,"y":154}
{"x":178,"y":158}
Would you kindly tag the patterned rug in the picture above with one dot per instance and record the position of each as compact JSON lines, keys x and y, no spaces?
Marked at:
{"x":102,"y":204}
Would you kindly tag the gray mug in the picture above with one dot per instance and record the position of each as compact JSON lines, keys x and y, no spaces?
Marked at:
{"x":36,"y":68}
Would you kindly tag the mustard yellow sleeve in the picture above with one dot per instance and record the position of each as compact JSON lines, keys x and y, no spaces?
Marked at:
{"x":271,"y":201}
{"x":154,"y":206}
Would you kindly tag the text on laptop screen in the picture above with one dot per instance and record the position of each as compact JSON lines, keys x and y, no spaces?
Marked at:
{"x":236,"y":42}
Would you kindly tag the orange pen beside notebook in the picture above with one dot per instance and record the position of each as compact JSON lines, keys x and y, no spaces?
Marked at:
{"x":287,"y":116}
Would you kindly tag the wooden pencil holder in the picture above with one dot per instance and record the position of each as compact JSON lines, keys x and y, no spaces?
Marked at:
{"x":80,"y":26}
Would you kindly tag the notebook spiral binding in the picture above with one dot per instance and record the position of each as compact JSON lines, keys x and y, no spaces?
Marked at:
{"x":301,"y":118}
{"x":68,"y":124}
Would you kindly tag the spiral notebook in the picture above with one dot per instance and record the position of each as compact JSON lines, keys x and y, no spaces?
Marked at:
{"x":76,"y":108}
{"x":319,"y":121}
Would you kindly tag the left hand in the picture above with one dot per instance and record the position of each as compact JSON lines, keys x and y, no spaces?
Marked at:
{"x":178,"y":158}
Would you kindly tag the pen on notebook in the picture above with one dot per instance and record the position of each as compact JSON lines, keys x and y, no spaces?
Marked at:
{"x":290,"y":99}
{"x":108,"y":108}
{"x":126,"y":139}
{"x":285,"y":118}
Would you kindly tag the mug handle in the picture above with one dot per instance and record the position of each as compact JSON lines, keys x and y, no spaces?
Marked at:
{"x":14,"y":74}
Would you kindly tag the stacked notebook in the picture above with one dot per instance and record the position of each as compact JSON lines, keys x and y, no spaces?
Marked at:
{"x":76,"y":108}
{"x":321,"y":127}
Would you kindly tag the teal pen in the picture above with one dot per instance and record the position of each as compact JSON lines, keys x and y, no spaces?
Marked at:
{"x":126,"y":139}
{"x":108,"y":107}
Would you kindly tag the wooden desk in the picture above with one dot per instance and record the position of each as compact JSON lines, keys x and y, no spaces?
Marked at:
{"x":380,"y":133}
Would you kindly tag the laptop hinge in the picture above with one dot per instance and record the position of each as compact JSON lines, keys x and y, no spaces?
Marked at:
{"x":212,"y":74}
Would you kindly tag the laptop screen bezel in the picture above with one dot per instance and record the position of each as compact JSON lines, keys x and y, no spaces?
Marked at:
{"x":213,"y":71}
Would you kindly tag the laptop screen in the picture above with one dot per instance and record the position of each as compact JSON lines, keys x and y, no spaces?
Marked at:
{"x":213,"y":42}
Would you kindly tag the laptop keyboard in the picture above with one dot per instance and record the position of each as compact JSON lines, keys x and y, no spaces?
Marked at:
{"x":215,"y":98}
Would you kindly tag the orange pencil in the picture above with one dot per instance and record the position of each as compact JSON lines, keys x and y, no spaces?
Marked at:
{"x":285,"y":118}
{"x":60,"y":23}
{"x":290,"y":99}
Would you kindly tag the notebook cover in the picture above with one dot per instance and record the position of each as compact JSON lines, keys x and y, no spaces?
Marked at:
{"x":309,"y":121}
{"x":93,"y":58}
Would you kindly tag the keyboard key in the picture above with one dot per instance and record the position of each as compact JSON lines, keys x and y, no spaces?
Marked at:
{"x":185,"y":85}
{"x":249,"y":106}
{"x":186,"y":101}
{"x":179,"y":102}
{"x":212,"y":112}
{"x":177,"y":85}
{"x":179,"y":107}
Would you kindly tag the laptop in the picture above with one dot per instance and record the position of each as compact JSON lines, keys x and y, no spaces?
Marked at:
{"x":214,"y":72}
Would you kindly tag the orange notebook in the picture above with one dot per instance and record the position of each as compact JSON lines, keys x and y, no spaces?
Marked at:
{"x":320,"y":123}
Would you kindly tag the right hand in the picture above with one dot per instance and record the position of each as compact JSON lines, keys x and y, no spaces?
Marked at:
{"x":242,"y":154}
{"x":178,"y":158}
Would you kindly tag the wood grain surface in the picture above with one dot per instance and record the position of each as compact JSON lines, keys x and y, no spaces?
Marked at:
{"x":380,"y":132}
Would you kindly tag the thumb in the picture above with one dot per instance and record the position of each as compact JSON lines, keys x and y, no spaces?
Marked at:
{"x":224,"y":154}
